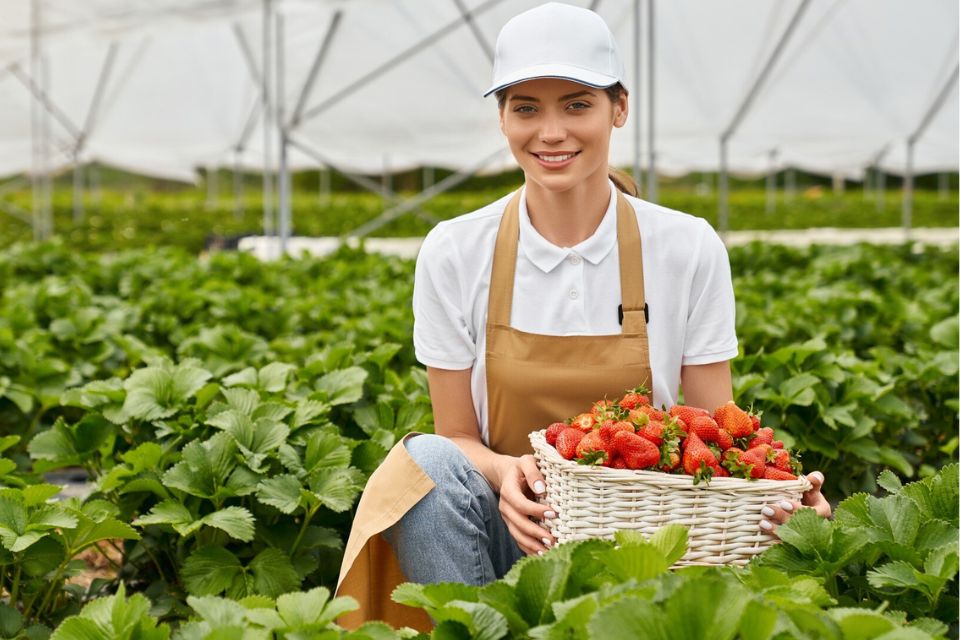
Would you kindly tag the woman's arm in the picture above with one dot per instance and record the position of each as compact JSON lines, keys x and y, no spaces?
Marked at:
{"x":706,"y":385}
{"x":517,"y":480}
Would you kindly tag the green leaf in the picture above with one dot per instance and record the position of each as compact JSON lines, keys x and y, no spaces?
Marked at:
{"x":630,"y":617}
{"x":170,"y":512}
{"x":797,"y":390}
{"x":219,"y":612}
{"x":210,"y":570}
{"x":889,"y":481}
{"x":671,"y":541}
{"x":342,"y":386}
{"x":945,"y":332}
{"x":236,"y":522}
{"x":313,"y":607}
{"x":10,"y":621}
{"x":335,"y":488}
{"x":273,"y":377}
{"x":861,"y":624}
{"x":273,"y":573}
{"x":281,"y":492}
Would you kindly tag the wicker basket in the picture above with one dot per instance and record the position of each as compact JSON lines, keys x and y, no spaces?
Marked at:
{"x":723,"y":516}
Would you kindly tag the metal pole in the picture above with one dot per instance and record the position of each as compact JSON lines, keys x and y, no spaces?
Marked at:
{"x":651,"y":94}
{"x":942,"y":185}
{"x":790,"y":184}
{"x":314,"y":69}
{"x":907,"y":215}
{"x":77,"y":187}
{"x":268,"y":228}
{"x":237,"y":186}
{"x":637,"y":131}
{"x":386,"y":181}
{"x":772,"y":183}
{"x":35,"y":206}
{"x":881,"y":190}
{"x":324,"y":186}
{"x":478,"y":36}
{"x":282,"y":131}
{"x":723,"y":215}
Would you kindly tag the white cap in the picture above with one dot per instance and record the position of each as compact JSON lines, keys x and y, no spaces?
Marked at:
{"x":556,"y":41}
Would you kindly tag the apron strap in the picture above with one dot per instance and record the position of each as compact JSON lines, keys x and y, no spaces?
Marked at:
{"x":500,"y":299}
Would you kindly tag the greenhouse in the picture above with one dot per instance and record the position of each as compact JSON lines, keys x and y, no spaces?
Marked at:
{"x":301,"y":336}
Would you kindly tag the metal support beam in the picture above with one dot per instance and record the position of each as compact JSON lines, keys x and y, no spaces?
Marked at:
{"x":409,"y":205}
{"x":284,"y":174}
{"x":88,"y":125}
{"x":314,"y":69}
{"x":266,"y":96}
{"x":477,"y":34}
{"x":40,"y":95}
{"x":748,"y":101}
{"x":772,"y":182}
{"x":237,"y":186}
{"x":907,"y":213}
{"x":651,"y":99}
{"x":637,"y":129}
{"x":404,"y":55}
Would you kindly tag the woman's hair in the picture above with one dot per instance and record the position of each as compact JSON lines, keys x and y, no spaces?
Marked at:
{"x":621,"y":179}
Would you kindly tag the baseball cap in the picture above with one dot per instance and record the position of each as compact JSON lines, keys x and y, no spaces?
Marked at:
{"x":556,"y":40}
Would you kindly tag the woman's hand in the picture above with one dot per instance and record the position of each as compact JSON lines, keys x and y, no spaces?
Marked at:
{"x":520,"y":483}
{"x":777,"y":514}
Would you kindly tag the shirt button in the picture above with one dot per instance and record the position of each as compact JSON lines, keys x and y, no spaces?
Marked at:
{"x":574,"y":294}
{"x":574,"y":259}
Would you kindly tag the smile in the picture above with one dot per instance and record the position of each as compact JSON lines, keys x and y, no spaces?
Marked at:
{"x":558,"y":159}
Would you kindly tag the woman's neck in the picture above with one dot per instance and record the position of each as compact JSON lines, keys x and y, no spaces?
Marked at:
{"x":567,"y":218}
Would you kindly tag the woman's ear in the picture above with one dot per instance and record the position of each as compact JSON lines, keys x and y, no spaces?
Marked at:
{"x":621,"y":108}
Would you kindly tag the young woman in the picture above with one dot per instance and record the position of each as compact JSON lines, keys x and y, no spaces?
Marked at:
{"x":531,"y":308}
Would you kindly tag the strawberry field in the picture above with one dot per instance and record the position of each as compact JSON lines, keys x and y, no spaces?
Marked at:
{"x":227,"y":414}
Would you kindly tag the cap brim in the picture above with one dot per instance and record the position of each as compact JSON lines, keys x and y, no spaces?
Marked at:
{"x":562,"y":72}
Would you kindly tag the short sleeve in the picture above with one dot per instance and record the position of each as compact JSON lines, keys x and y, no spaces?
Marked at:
{"x":441,"y":337}
{"x":711,"y":320}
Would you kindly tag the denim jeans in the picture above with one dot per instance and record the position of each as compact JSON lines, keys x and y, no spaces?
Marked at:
{"x":455,"y":533}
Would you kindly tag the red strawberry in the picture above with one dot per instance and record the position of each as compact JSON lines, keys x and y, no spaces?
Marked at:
{"x":584,"y":422}
{"x":638,"y":417}
{"x":655,"y":414}
{"x":758,"y":458}
{"x":755,"y":421}
{"x":610,"y":428}
{"x":698,"y":460}
{"x":603,"y":408}
{"x":704,"y":427}
{"x":720,"y":472}
{"x":733,"y":463}
{"x":637,"y":452}
{"x":593,"y":450}
{"x":672,"y":462}
{"x":777,"y":444}
{"x":763,"y":435}
{"x":686,"y":413}
{"x":632,"y":400}
{"x":772,"y":473}
{"x":781,"y":459}
{"x":653,"y":432}
{"x":733,"y":419}
{"x":618,"y":463}
{"x":567,"y":442}
{"x":724,"y":439}
{"x":553,"y":431}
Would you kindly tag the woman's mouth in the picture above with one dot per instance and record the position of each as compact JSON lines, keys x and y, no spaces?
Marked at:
{"x":556,"y":160}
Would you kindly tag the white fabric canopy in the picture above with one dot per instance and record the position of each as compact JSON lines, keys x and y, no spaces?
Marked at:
{"x":856,"y":78}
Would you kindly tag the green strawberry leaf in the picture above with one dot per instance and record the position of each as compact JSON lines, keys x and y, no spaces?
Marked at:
{"x":210,"y":571}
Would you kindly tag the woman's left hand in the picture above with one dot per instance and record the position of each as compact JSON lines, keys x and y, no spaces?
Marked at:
{"x":780,"y":512}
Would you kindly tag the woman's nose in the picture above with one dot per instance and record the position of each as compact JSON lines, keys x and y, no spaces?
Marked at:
{"x":552,"y":130}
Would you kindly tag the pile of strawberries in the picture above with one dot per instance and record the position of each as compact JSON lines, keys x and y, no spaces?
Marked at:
{"x":632,"y":434}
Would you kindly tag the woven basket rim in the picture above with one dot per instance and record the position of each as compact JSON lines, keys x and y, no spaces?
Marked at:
{"x":659,"y":478}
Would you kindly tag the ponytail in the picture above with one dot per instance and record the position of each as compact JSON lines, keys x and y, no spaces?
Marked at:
{"x":623,"y":181}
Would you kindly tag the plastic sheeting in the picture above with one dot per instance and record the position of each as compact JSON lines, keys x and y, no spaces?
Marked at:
{"x":856,"y":79}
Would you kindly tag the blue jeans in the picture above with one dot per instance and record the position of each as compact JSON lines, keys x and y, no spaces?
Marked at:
{"x":455,"y":533}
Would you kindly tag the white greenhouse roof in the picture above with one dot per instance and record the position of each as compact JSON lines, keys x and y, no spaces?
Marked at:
{"x":854,"y":82}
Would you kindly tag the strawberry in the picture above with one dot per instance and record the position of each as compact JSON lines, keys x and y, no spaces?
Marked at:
{"x":698,"y":460}
{"x":724,"y":440}
{"x":632,"y":400}
{"x":772,"y":473}
{"x":756,"y":457}
{"x":754,"y":420}
{"x":763,"y":435}
{"x":777,"y":444}
{"x":686,"y":413}
{"x":637,"y":452}
{"x":610,"y":428}
{"x":704,"y":427}
{"x":672,"y":461}
{"x":606,"y":410}
{"x":567,"y":441}
{"x":653,"y":432}
{"x":720,"y":472}
{"x":655,"y":414}
{"x":733,"y":463}
{"x":584,"y":422}
{"x":733,"y":419}
{"x":553,"y":431}
{"x":638,"y":417}
{"x":780,"y":459}
{"x":618,"y":463}
{"x":593,"y":450}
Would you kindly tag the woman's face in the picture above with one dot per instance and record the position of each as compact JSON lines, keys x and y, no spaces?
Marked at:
{"x":559,"y":131}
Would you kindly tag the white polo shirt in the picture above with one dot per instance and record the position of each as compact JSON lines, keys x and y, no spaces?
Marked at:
{"x":575,"y":291}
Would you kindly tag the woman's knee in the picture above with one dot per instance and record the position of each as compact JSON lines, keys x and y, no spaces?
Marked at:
{"x":439,"y":457}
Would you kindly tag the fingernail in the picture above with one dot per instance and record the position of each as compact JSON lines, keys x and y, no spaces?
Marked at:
{"x":539,"y":487}
{"x":767,"y":511}
{"x":786,"y":506}
{"x":549,"y":515}
{"x":546,"y":542}
{"x":766,"y":526}
{"x":539,"y":553}
{"x":818,"y":475}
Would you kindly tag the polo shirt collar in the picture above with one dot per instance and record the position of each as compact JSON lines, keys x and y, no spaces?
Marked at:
{"x":546,"y":256}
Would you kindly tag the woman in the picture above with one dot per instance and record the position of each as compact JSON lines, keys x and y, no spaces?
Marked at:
{"x":531,"y":308}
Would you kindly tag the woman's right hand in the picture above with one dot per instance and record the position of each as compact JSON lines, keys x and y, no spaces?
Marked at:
{"x":520,"y":483}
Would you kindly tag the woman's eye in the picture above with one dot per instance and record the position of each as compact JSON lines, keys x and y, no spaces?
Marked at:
{"x":524,"y":108}
{"x":578,"y":105}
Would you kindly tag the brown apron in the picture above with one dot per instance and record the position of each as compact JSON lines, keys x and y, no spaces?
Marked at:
{"x":532,"y":380}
